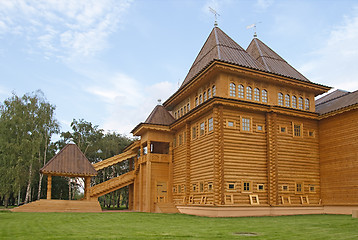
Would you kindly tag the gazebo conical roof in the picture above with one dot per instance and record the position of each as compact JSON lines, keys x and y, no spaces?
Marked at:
{"x":71,"y":162}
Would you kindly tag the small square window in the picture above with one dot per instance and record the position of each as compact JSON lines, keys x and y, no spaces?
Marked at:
{"x":260,"y":187}
{"x":231,"y":186}
{"x":230,"y":123}
{"x":312,"y":188}
{"x":311,"y":133}
{"x":259,"y":128}
{"x":285,"y":188}
{"x":283,"y":130}
{"x":210,"y":186}
{"x":174,"y":189}
{"x":194,"y":187}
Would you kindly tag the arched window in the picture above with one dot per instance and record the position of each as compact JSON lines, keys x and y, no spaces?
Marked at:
{"x":188,"y":107}
{"x":200,"y":99}
{"x":214,"y":90}
{"x":294,"y":102}
{"x":307,"y":104}
{"x":196,"y":102}
{"x":257,"y":94}
{"x":240,"y":91}
{"x":287,"y":100}
{"x":248,"y":93}
{"x":209,"y":93}
{"x":181,"y":112}
{"x":280,"y":99}
{"x":184,"y":109}
{"x":264,"y":96}
{"x":204,"y":94}
{"x":175,"y":115}
{"x":232,"y":90}
{"x":300,"y":103}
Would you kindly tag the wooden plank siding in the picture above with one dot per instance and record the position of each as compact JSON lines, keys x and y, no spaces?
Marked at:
{"x":338,"y":136}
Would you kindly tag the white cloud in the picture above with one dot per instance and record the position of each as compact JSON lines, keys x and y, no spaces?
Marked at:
{"x":128,"y":102}
{"x":335,"y":63}
{"x":66,"y":28}
{"x":263,"y":4}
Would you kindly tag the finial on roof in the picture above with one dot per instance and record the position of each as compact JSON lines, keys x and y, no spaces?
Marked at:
{"x":159,"y":101}
{"x":216,"y":16}
{"x":253,"y":26}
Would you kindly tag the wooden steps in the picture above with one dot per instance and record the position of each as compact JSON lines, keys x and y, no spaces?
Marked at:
{"x":45,"y":205}
{"x":166,"y":208}
{"x":112,"y":184}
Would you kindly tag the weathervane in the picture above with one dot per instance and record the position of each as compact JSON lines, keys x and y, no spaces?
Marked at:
{"x":253,"y":26}
{"x":216,"y":16}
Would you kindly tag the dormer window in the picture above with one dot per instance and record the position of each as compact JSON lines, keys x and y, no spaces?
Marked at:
{"x":280,"y":99}
{"x":264,"y":96}
{"x":249,"y":93}
{"x":240,"y":91}
{"x":232,"y":90}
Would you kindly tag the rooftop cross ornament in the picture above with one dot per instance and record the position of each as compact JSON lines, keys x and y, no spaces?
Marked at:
{"x":216,"y":16}
{"x":253,"y":26}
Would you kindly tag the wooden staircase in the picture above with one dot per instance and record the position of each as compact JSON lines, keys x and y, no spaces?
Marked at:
{"x":166,"y":208}
{"x":45,"y":205}
{"x":112,"y":184}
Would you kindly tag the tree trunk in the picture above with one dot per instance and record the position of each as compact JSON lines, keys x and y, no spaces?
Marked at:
{"x":69,"y":188}
{"x":41,"y":175}
{"x":28,"y":189}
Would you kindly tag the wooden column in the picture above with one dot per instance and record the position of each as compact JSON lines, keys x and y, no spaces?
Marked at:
{"x":218,"y":156}
{"x":87,"y":187}
{"x":187,"y":163}
{"x":131,"y":186}
{"x":141,"y":191}
{"x":148,"y":195}
{"x":171,"y":169}
{"x":49,"y":186}
{"x":271,"y":126}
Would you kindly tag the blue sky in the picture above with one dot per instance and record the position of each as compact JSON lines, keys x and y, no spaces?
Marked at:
{"x":109,"y":61}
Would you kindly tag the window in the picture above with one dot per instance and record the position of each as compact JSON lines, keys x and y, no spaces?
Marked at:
{"x":249,"y":93}
{"x":193,"y":132}
{"x":184,"y":109}
{"x":299,"y":188}
{"x":312,"y":188}
{"x":188,"y":107}
{"x":297,"y":130}
{"x":307,"y":104}
{"x":194,"y":187}
{"x":264,"y":96}
{"x":196,"y":102}
{"x":232,"y":90}
{"x":210,"y":124}
{"x":204,"y":94}
{"x":202,"y":129}
{"x":257,"y":94}
{"x":246,"y":186}
{"x":280,"y":99}
{"x":181,"y":112}
{"x":210,"y":186}
{"x":300,"y":103}
{"x":260,"y":187}
{"x":287,"y":100}
{"x":285,"y":188}
{"x":209,"y":93}
{"x":294,"y":102}
{"x":283,"y":130}
{"x":200,"y":99}
{"x":259,"y":128}
{"x":214,"y":90}
{"x":174,"y":189}
{"x":311,"y":133}
{"x":175,"y":115}
{"x":231,"y":186}
{"x":230,"y":124}
{"x":240,"y":91}
{"x":246,"y":124}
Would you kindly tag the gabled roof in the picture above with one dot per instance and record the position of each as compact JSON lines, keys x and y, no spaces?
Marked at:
{"x":271,"y":61}
{"x":335,"y":103}
{"x":70,"y":161}
{"x":160,"y":116}
{"x":330,"y":96}
{"x":220,"y":46}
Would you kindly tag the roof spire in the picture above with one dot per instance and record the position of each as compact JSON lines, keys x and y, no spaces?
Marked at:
{"x":253,"y":26}
{"x":216,"y":16}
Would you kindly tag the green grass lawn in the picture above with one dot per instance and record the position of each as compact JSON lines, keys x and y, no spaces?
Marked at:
{"x":129,"y":225}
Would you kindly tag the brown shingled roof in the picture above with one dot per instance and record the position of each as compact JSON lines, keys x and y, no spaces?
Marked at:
{"x":70,"y":161}
{"x":160,"y":115}
{"x":220,"y":46}
{"x":338,"y":102}
{"x":272,"y":61}
{"x":330,"y":96}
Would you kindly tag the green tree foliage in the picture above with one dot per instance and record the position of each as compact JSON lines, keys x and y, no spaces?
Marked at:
{"x":26,"y":126}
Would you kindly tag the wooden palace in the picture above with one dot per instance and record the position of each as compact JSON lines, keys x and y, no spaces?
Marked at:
{"x":243,"y":136}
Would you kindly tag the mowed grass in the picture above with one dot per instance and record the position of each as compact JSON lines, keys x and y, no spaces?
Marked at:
{"x":130,"y":225}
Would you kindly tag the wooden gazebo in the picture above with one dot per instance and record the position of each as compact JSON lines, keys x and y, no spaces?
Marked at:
{"x":69,"y":162}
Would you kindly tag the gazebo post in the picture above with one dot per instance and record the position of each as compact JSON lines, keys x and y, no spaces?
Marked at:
{"x":87,"y":187}
{"x":49,"y":185}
